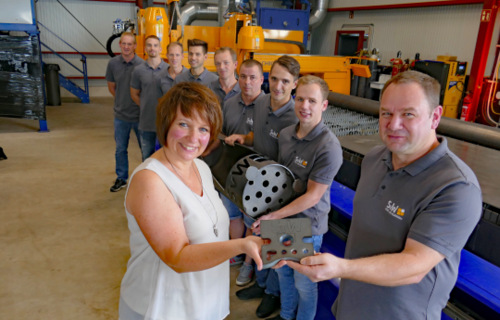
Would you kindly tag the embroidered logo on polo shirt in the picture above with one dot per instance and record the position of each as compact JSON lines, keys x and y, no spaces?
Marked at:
{"x":250,"y":121}
{"x":273,"y":134}
{"x":394,"y":210}
{"x":300,"y":162}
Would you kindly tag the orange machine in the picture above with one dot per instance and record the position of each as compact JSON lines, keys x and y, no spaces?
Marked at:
{"x":248,"y":41}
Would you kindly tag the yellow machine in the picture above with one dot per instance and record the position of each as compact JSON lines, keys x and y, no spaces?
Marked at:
{"x":152,"y":21}
{"x":454,"y":85}
{"x":451,"y":75}
{"x":248,"y":41}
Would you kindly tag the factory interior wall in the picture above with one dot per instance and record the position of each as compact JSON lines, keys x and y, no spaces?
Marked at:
{"x":430,"y":31}
{"x":97,"y":17}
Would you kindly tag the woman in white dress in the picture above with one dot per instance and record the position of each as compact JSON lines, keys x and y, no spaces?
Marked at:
{"x":179,"y":229}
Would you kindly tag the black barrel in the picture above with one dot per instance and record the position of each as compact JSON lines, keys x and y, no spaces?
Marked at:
{"x":52,"y":84}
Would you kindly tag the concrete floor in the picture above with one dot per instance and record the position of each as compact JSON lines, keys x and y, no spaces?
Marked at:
{"x":63,"y":235}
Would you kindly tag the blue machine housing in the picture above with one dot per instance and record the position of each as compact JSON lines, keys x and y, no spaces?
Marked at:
{"x":284,"y":19}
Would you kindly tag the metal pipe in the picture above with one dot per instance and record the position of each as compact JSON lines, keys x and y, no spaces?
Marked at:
{"x":362,"y":105}
{"x":453,"y":128}
{"x":198,"y":11}
{"x":319,"y":13}
{"x":223,"y":4}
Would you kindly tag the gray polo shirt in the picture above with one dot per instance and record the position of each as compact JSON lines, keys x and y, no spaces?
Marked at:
{"x":206,"y":77}
{"x":238,"y":117}
{"x":267,"y":125}
{"x":436,"y":200}
{"x":316,"y":157}
{"x":221,"y":94}
{"x":167,"y":82}
{"x":148,"y":80}
{"x":120,"y":72}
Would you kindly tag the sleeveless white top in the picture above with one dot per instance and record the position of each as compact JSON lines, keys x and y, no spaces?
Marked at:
{"x":152,"y":290}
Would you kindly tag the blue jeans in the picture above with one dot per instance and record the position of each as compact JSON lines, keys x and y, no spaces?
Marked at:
{"x":148,"y":143}
{"x":268,"y":279}
{"x":232,"y":209}
{"x":122,"y":137}
{"x":299,"y":295}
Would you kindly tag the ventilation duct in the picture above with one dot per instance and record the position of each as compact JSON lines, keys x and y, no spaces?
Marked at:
{"x":318,"y":14}
{"x":198,"y":11}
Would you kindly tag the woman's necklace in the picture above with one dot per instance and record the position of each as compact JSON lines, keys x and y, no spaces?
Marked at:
{"x":214,"y":224}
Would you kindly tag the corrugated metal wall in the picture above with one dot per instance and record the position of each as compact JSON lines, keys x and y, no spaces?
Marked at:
{"x":430,"y":31}
{"x":97,"y":17}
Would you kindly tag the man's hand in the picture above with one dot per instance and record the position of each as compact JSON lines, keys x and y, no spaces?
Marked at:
{"x":256,"y":224}
{"x":135,"y":94}
{"x":112,"y":88}
{"x":321,"y":266}
{"x":239,"y":138}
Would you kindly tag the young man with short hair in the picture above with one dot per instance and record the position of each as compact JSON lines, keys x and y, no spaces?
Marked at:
{"x":238,"y":113}
{"x":126,"y":112}
{"x":274,"y":112}
{"x":314,"y":155}
{"x":239,"y":110}
{"x":175,"y":54}
{"x":145,"y":91}
{"x":197,"y":54}
{"x":227,"y":85}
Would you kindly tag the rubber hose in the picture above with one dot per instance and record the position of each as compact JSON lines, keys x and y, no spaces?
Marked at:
{"x":110,"y":42}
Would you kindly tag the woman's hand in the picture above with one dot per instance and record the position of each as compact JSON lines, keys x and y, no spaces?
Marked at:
{"x":252,"y":246}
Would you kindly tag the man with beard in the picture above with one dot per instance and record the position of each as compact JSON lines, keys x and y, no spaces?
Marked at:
{"x":145,"y":90}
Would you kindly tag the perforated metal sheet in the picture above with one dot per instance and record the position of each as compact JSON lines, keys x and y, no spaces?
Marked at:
{"x":287,"y":240}
{"x":345,"y":122}
{"x":268,"y":188}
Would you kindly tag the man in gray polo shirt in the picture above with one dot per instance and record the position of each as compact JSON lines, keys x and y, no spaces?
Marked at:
{"x":175,"y":54}
{"x":313,"y":153}
{"x":274,"y":112}
{"x":197,"y":54}
{"x":145,"y":90}
{"x":239,"y":110}
{"x":118,"y":74}
{"x":415,"y":206}
{"x":238,"y":118}
{"x":227,"y":85}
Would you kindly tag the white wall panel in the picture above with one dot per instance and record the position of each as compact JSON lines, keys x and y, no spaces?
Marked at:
{"x":431,"y":31}
{"x":97,"y":17}
{"x":16,"y":12}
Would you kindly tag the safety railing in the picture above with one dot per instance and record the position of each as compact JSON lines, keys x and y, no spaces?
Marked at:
{"x":82,"y":94}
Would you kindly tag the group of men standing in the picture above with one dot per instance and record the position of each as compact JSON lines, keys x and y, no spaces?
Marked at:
{"x":416,"y":202}
{"x":137,"y":85}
